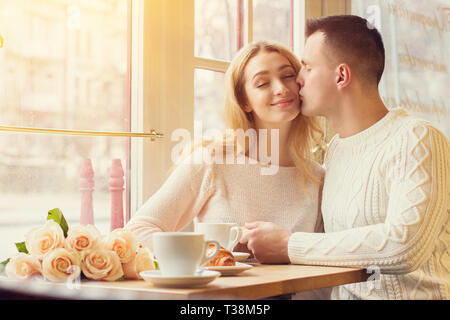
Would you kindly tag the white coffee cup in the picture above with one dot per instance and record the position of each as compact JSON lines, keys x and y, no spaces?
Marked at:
{"x":227,"y":234}
{"x":180,"y":254}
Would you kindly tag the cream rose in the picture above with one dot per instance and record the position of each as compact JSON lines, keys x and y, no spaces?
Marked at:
{"x":101,"y":264}
{"x":143,"y":261}
{"x":60,"y":264}
{"x":41,"y":240}
{"x":82,"y":237}
{"x":123,"y":242}
{"x":23,"y":266}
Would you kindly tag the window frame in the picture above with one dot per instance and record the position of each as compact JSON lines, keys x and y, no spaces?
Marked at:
{"x":162,"y":95}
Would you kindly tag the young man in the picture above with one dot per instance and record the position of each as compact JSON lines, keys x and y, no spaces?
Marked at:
{"x":385,"y":200}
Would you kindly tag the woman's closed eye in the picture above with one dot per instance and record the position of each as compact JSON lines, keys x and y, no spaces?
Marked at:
{"x":261,"y":84}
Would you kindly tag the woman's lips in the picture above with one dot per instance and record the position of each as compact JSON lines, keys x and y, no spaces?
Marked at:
{"x":283,"y":103}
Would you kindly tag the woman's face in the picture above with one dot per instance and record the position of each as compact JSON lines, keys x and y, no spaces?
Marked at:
{"x":271,"y":89}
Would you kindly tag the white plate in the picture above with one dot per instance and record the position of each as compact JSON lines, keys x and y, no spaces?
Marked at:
{"x":201,"y":279}
{"x":230,"y":270}
{"x":240,"y":256}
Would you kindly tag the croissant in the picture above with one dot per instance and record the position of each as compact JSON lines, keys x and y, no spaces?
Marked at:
{"x":223,"y":258}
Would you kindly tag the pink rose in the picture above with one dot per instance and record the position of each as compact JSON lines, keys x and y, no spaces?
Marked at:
{"x":101,"y":264}
{"x":123,"y":242}
{"x":82,"y":237}
{"x":143,"y":261}
{"x":60,"y":264}
{"x":41,"y":240}
{"x":23,"y":266}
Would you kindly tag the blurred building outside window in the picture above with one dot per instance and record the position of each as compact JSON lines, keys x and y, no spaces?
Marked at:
{"x":416,"y":39}
{"x":64,"y":65}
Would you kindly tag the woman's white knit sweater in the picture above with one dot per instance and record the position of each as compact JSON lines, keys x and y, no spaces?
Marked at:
{"x":386,"y":208}
{"x":236,"y":193}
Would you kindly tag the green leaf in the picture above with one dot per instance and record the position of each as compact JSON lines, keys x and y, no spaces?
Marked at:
{"x":21,"y":247}
{"x":57,"y":216}
{"x":156,"y":264}
{"x":3,"y":265}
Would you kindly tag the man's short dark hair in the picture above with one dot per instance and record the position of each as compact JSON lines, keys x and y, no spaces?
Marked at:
{"x":352,"y":40}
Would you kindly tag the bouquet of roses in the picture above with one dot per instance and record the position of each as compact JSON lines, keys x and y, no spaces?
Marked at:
{"x":58,"y":253}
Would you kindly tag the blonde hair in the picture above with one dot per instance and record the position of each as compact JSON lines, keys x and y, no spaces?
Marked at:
{"x":305,"y":131}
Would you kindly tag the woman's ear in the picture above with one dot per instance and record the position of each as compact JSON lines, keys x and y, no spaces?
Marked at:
{"x":247,"y":108}
{"x":343,"y":76}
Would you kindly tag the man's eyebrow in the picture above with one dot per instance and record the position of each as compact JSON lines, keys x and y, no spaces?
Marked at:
{"x":284,"y":66}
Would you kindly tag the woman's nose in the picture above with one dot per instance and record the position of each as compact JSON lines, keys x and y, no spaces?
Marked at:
{"x":280,"y":88}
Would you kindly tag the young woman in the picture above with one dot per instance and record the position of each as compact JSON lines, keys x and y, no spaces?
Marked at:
{"x":261,"y":93}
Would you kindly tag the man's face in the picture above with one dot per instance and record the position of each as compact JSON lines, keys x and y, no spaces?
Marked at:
{"x":316,"y":78}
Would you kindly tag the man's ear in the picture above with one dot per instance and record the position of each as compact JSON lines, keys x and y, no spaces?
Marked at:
{"x":343,"y":76}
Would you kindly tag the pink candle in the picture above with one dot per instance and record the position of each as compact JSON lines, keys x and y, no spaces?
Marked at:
{"x":116,"y":188}
{"x":86,"y":189}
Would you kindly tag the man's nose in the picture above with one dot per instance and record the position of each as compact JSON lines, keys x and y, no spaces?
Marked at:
{"x":299,"y":80}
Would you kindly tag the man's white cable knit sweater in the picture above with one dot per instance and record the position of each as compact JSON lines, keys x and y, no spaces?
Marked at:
{"x":386,"y":205}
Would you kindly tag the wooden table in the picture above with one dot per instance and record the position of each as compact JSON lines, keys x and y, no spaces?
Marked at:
{"x":261,"y":281}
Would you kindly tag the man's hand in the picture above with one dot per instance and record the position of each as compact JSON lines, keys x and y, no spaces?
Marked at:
{"x":267,"y":241}
{"x":240,"y":247}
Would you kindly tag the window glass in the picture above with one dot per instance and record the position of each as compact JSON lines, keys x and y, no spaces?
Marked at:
{"x":35,"y":179}
{"x":416,"y":40}
{"x":64,"y":65}
{"x":215,"y":29}
{"x":208,"y":104}
{"x":271,"y":21}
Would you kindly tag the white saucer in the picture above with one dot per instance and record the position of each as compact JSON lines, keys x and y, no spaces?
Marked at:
{"x":240,"y":256}
{"x":200,"y":279}
{"x":230,"y":270}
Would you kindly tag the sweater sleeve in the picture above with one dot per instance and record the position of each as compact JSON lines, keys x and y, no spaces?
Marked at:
{"x":320,"y":173}
{"x":418,"y":179}
{"x":319,"y":222}
{"x":176,"y":203}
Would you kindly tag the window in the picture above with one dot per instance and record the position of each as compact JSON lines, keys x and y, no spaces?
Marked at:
{"x":272,"y":20}
{"x":215,"y":28}
{"x":65,"y":66}
{"x":416,"y":73}
{"x":221,"y":29}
